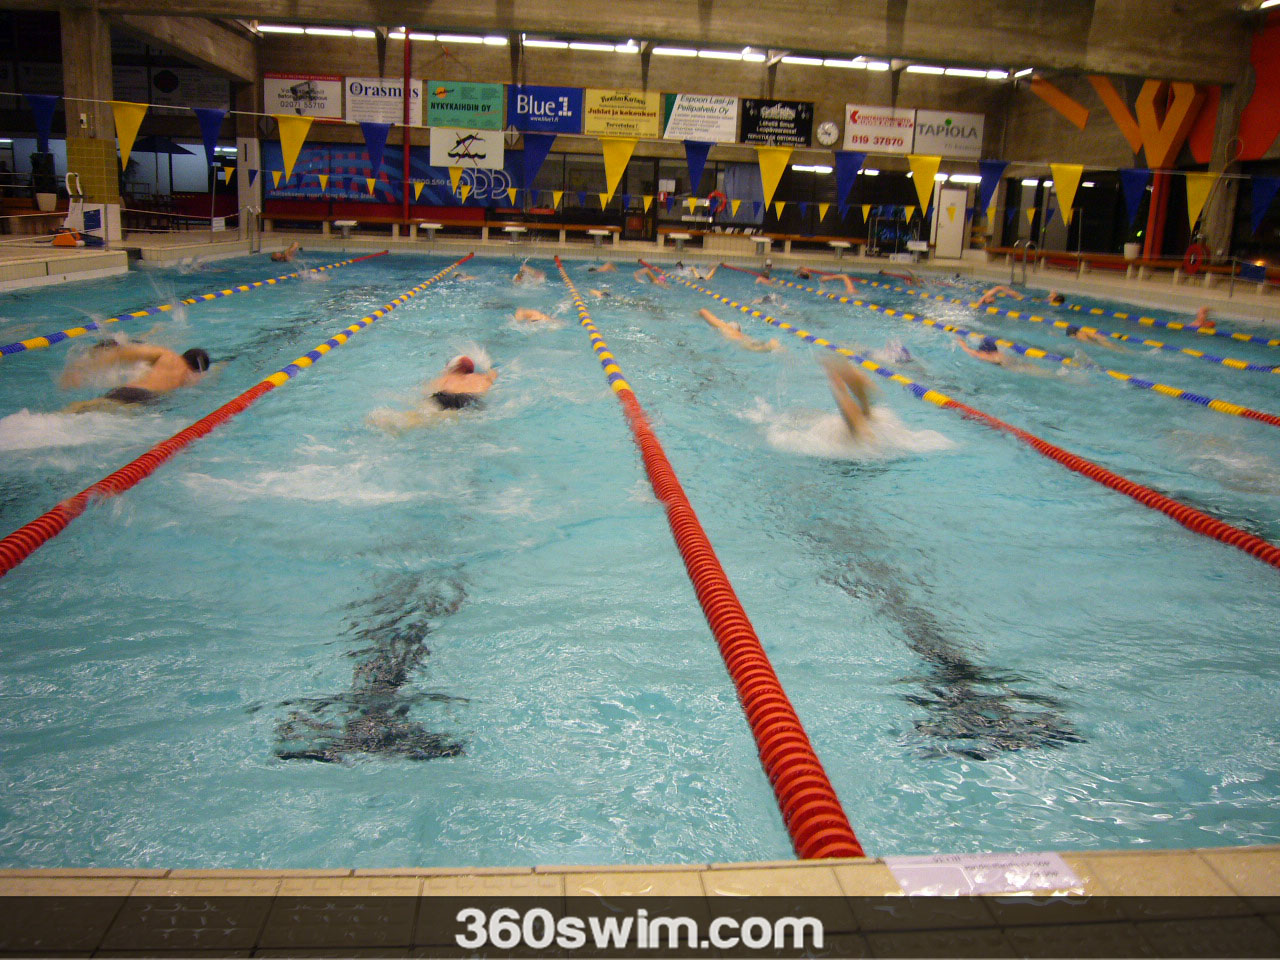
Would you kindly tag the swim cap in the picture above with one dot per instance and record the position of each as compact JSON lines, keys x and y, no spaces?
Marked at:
{"x":197,"y":359}
{"x":1072,"y":330}
{"x":462,"y":364}
{"x":1057,"y":298}
{"x":988,"y":345}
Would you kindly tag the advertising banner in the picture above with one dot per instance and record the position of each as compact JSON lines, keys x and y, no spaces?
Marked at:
{"x":691,"y":116}
{"x":545,"y":109}
{"x":621,"y":113}
{"x":453,"y":103}
{"x":382,"y":100}
{"x":949,"y":134}
{"x":466,"y":148}
{"x":780,"y":122}
{"x":879,"y":129}
{"x":307,"y":95}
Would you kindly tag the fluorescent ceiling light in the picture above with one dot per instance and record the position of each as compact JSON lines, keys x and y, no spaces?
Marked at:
{"x":629,"y":47}
{"x":1023,"y":73}
{"x":674,"y":52}
{"x":549,"y":44}
{"x":965,"y":72}
{"x":363,"y":34}
{"x":1031,"y":183}
{"x":422,"y":36}
{"x":877,"y":65}
{"x":601,"y":47}
{"x":275,"y":28}
{"x":1048,"y":183}
{"x":965,"y":178}
{"x":215,"y":149}
{"x":754,"y":57}
{"x":1090,"y":183}
{"x":458,"y":38}
{"x":997,"y":74}
{"x":719,"y":55}
{"x":495,"y":41}
{"x":869,"y":173}
{"x":396,"y":35}
{"x":846,"y":64}
{"x":921,"y":68}
{"x":328,"y":32}
{"x":804,"y":61}
{"x":940,"y":177}
{"x":1266,"y":4}
{"x":814,"y":168}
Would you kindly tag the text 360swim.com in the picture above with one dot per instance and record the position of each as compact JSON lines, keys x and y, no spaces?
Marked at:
{"x":538,"y":928}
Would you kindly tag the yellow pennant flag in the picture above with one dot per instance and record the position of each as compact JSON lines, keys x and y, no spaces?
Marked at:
{"x":371,"y":182}
{"x":455,"y":174}
{"x":604,"y":199}
{"x":275,"y":178}
{"x":733,"y":207}
{"x":128,"y":117}
{"x":923,"y":170}
{"x":466,"y":191}
{"x":951,"y":212}
{"x":1066,"y":179}
{"x":617,"y":153}
{"x":293,"y":130}
{"x":417,"y":189}
{"x":228,"y":173}
{"x":511,"y":194}
{"x":910,"y":212}
{"x":691,"y":203}
{"x":1199,"y":186}
{"x":648,"y":201}
{"x":778,"y":207}
{"x":555,"y":198}
{"x":822,"y":210}
{"x":991,"y":212}
{"x":324,"y":181}
{"x":1031,"y":214}
{"x":773,"y":163}
{"x":866,"y":212}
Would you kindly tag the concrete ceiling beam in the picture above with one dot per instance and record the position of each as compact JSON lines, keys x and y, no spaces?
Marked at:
{"x":197,"y":40}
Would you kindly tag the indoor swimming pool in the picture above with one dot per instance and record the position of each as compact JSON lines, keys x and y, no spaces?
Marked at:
{"x":316,"y":639}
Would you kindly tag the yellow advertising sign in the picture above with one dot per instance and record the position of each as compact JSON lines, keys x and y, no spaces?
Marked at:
{"x":621,"y":113}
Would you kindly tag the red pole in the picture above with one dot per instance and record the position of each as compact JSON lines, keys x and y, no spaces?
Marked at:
{"x":404,"y":187}
{"x":1159,"y":205}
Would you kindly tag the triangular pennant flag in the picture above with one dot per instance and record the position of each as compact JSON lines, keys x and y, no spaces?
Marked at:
{"x":324,"y":181}
{"x":626,"y":201}
{"x":1263,"y":191}
{"x":822,"y":210}
{"x":848,"y":164}
{"x":511,"y":195}
{"x":275,"y":178}
{"x":1009,"y":214}
{"x":669,"y":201}
{"x":455,"y":175}
{"x":210,"y":127}
{"x":756,"y":207}
{"x":991,"y":172}
{"x":617,"y":154}
{"x":253,"y":175}
{"x":582,"y":198}
{"x":465,"y":191}
{"x":128,"y":117}
{"x":908,"y":213}
{"x":695,"y":154}
{"x":951,"y":213}
{"x":1031,"y":215}
{"x":648,"y":201}
{"x":778,"y":207}
{"x":293,"y":130}
{"x":1066,"y":180}
{"x":42,"y":105}
{"x":773,"y":163}
{"x":604,"y":199}
{"x":923,"y":170}
{"x":733,"y":207}
{"x":229,"y":173}
{"x":691,"y":203}
{"x":991,"y":213}
{"x":536,"y":148}
{"x":866,"y":211}
{"x":417,"y":189}
{"x":555,"y":198}
{"x":804,"y":207}
{"x":375,"y":141}
{"x":1199,"y":186}
{"x":1134,"y":184}
{"x":843,"y":209}
{"x":371,"y":182}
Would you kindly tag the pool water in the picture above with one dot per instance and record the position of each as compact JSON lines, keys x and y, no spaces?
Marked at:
{"x":309,"y":641}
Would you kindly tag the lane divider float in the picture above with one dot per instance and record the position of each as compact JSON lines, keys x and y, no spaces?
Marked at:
{"x":1188,"y":516}
{"x":810,"y":808}
{"x":49,"y":339}
{"x":28,"y":538}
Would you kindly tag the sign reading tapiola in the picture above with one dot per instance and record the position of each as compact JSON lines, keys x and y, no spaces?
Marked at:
{"x":303,"y":94}
{"x":785,"y":122}
{"x":949,"y":134}
{"x":545,"y":109}
{"x":879,"y":129}
{"x":382,"y":100}
{"x":691,"y":116}
{"x":452,"y":103}
{"x":621,"y":113}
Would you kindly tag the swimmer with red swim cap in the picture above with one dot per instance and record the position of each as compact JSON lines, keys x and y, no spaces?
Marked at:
{"x":459,"y":386}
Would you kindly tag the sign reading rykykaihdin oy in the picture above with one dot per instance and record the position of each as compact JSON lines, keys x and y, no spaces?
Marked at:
{"x":466,"y":148}
{"x":306,"y":95}
{"x":382,"y":100}
{"x":621,"y":113}
{"x":944,"y":134}
{"x":879,"y":129}
{"x":692,"y":116}
{"x":453,"y":103}
{"x":787,"y":123}
{"x":535,"y":109}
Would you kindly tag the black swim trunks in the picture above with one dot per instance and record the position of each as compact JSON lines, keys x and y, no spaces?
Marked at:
{"x":455,"y":401}
{"x":131,"y":395}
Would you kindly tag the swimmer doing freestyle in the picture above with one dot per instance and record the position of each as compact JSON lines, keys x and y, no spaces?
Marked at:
{"x":456,"y":387}
{"x":165,"y":371}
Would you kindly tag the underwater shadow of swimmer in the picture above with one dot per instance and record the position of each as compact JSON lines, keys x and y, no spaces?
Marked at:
{"x":372,"y":718}
{"x":976,"y":712}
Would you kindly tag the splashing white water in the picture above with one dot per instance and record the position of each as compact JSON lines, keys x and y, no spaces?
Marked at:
{"x":25,"y":430}
{"x":815,"y":433}
{"x":312,"y":483}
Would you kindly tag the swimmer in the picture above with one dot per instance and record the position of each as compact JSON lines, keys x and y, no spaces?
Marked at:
{"x":165,"y":371}
{"x":1202,"y":321}
{"x":999,"y":291}
{"x":764,"y":278}
{"x":733,"y":331}
{"x":894,"y":352}
{"x":904,"y":275}
{"x":457,"y":387}
{"x":851,"y":389}
{"x":604,"y":268}
{"x":1090,"y":335}
{"x":599,"y":294}
{"x":988,"y":351}
{"x":529,"y":315}
{"x":705,"y":276}
{"x":843,"y":278}
{"x":645,"y":274}
{"x":803,"y":273}
{"x":464,"y":277}
{"x":770,"y":299}
{"x":1055,"y":298}
{"x":284,"y":256}
{"x":529,"y":275}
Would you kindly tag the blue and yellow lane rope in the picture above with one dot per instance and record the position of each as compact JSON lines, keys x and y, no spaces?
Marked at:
{"x":49,"y":339}
{"x":1213,"y":403}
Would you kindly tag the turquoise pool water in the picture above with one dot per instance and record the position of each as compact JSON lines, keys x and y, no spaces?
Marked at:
{"x":484,"y":627}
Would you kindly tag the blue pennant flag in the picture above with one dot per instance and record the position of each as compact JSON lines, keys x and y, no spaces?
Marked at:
{"x":844,"y":209}
{"x":991,"y":171}
{"x":670,"y":201}
{"x":1263,"y":192}
{"x":695,"y":153}
{"x":375,"y":140}
{"x":756,"y":205}
{"x":1134,"y":184}
{"x":626,"y":201}
{"x":210,"y":126}
{"x":582,"y":198}
{"x":253,"y":175}
{"x":804,"y":207}
{"x":848,"y":163}
{"x":42,"y":105}
{"x":536,"y":148}
{"x":1010,"y":214}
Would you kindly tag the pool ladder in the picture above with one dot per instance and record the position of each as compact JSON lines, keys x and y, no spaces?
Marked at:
{"x":1028,"y":246}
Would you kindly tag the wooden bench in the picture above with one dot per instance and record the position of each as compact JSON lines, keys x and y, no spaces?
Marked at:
{"x":1141,"y":267}
{"x":563,"y":229}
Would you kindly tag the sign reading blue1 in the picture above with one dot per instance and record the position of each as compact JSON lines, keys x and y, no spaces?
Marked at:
{"x":545,"y":109}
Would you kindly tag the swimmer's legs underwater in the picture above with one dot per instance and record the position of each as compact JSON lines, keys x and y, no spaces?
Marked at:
{"x":847,"y":383}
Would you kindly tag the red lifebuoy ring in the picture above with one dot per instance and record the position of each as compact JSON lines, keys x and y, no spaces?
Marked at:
{"x":715,"y":196}
{"x":1195,"y":258}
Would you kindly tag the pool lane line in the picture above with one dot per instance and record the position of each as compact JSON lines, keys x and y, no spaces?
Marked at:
{"x":1191,"y":518}
{"x":49,"y":339}
{"x":28,"y":538}
{"x":810,"y":808}
{"x":1213,"y":403}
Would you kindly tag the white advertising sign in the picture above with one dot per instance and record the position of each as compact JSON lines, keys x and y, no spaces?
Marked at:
{"x":943,"y":134}
{"x":382,"y":100}
{"x":453,"y":147}
{"x":302,"y":94}
{"x":879,"y":129}
{"x":962,"y":875}
{"x":691,"y":116}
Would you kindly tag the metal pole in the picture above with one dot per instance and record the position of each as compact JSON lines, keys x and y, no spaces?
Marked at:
{"x":405,"y":91}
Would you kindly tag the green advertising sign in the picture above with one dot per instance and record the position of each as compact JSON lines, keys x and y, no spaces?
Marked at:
{"x":454,"y":103}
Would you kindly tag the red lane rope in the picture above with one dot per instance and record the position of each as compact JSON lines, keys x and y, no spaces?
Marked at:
{"x":810,"y":808}
{"x":28,"y":538}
